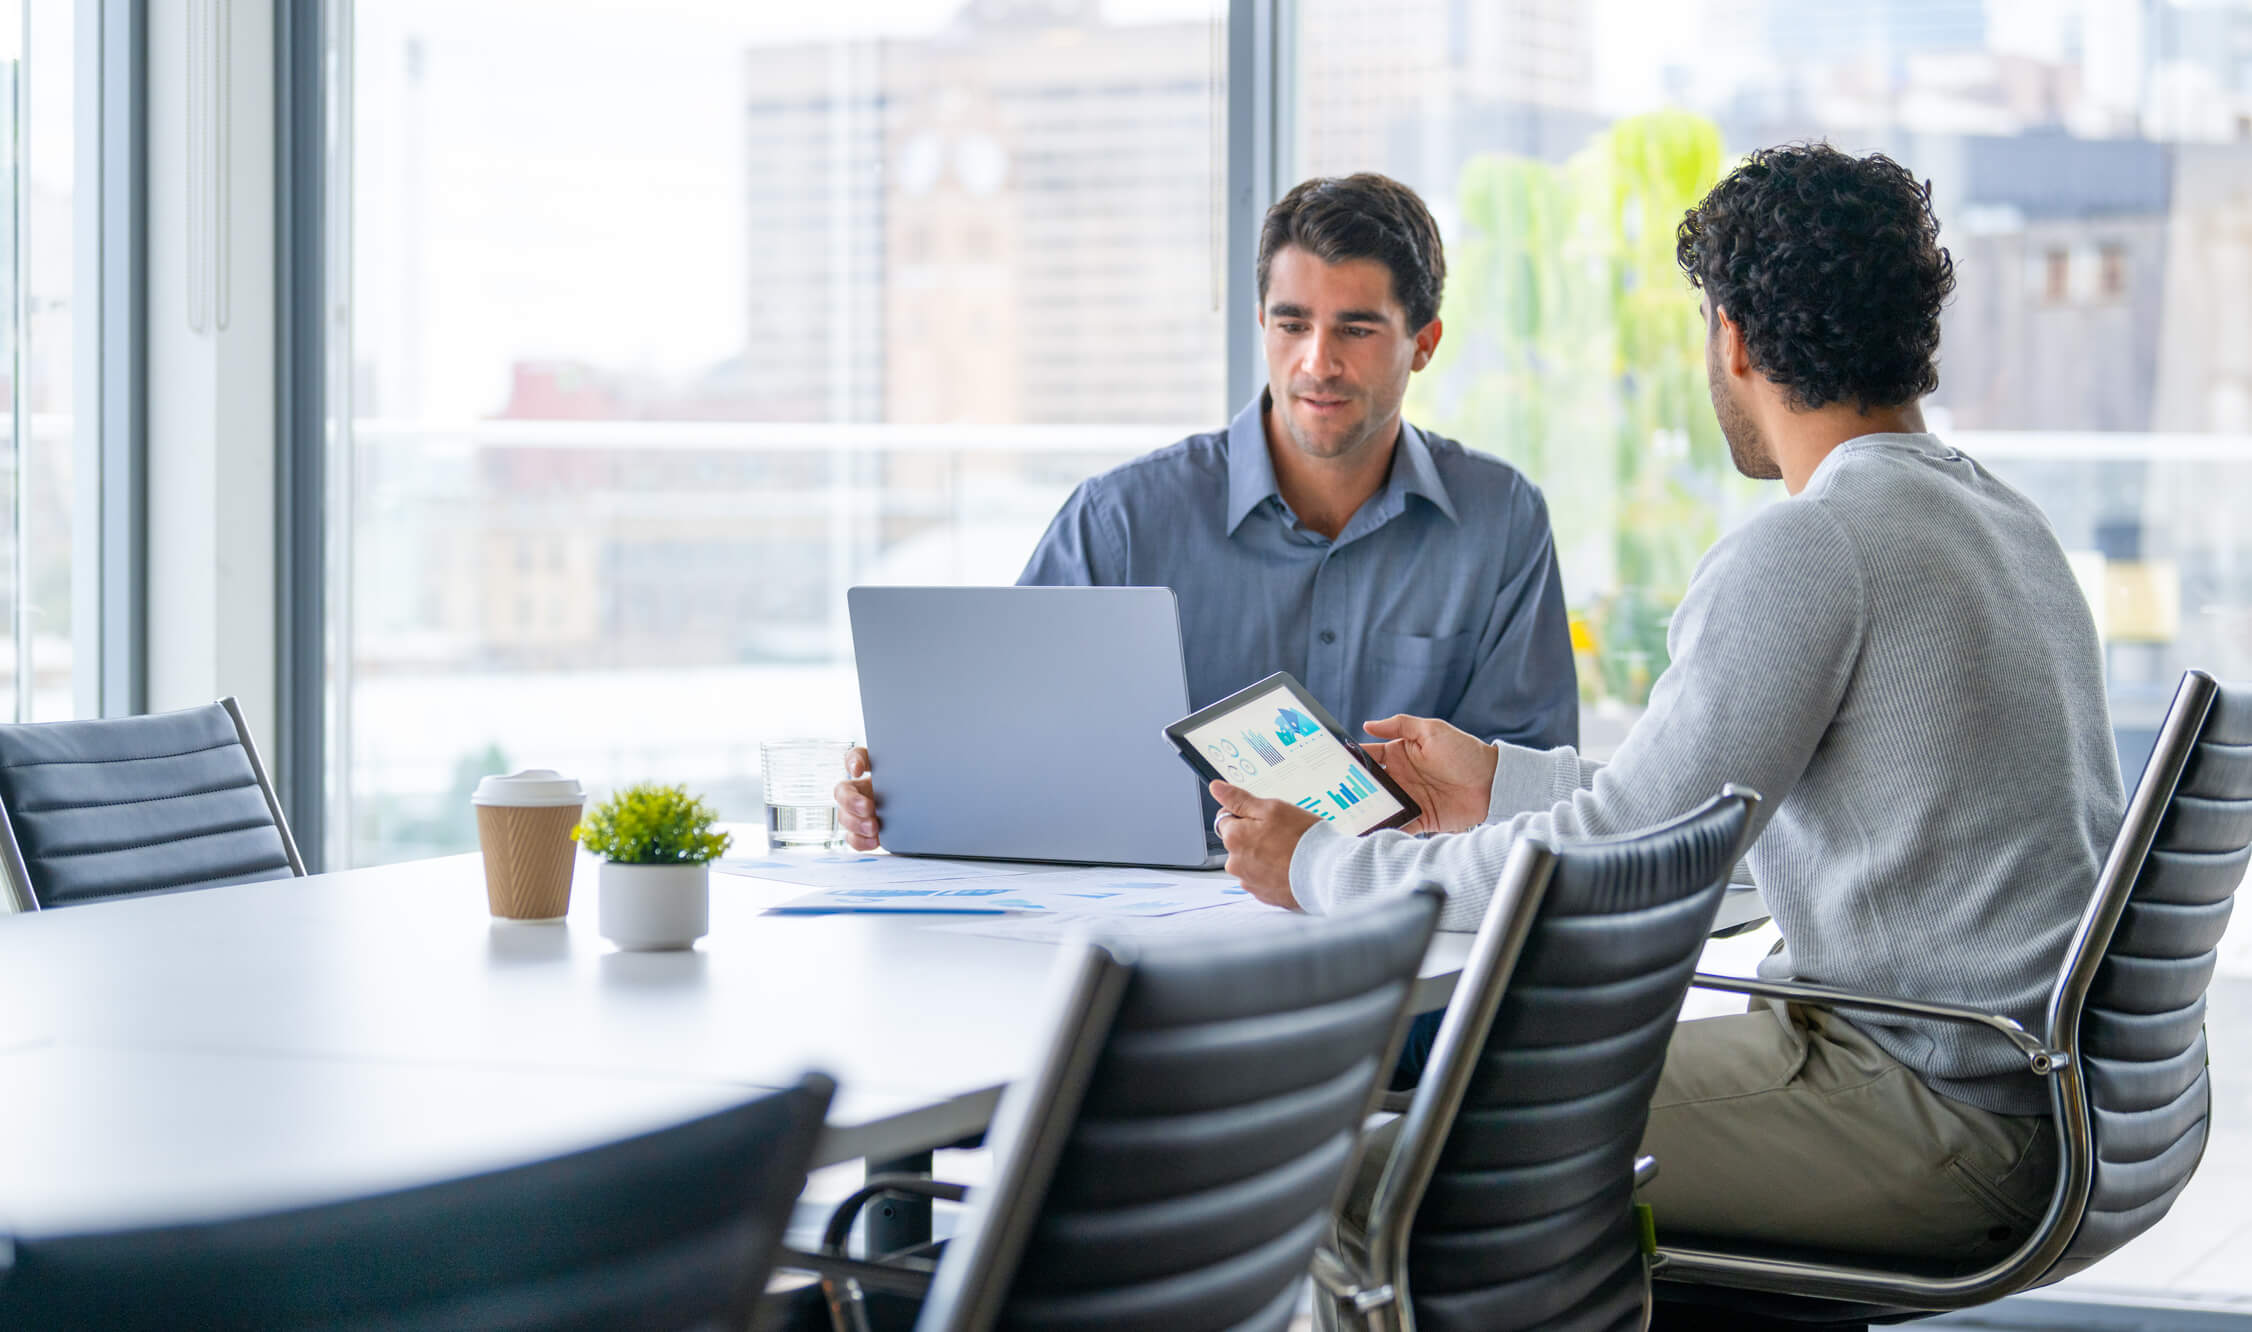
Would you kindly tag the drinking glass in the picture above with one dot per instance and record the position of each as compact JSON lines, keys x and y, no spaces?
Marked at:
{"x":800,"y":778}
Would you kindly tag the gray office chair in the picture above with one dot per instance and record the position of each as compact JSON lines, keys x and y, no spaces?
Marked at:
{"x":1508,"y":1202}
{"x":2124,"y":1053}
{"x":671,"y":1229}
{"x":1173,"y":1160}
{"x":130,"y":805}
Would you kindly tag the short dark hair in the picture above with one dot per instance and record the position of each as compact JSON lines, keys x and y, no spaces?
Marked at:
{"x":1830,"y":265}
{"x":1364,"y":216}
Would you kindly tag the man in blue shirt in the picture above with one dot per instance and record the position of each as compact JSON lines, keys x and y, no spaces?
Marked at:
{"x":1390,"y":570}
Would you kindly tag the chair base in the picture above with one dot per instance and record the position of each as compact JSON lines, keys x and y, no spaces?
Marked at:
{"x":806,"y":1311}
{"x":1787,"y":1310}
{"x":1681,"y":1307}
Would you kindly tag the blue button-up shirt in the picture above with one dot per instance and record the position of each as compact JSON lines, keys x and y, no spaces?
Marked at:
{"x":1440,"y":598}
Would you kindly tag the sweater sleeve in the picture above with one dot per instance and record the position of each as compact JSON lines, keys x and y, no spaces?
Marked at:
{"x":1763,"y":646}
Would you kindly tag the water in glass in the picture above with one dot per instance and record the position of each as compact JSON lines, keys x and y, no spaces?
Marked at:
{"x":799,"y":777}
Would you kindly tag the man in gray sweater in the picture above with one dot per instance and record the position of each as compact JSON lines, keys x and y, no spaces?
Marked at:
{"x":1898,"y":658}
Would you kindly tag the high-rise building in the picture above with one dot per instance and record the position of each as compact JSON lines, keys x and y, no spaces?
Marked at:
{"x":1925,"y":65}
{"x":1013,"y":220}
{"x":1830,"y":31}
{"x":2060,"y":249}
{"x":1428,"y":83}
{"x":814,"y":137}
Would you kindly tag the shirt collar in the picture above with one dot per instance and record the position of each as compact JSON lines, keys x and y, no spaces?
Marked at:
{"x":1415,"y":472}
{"x":1926,"y":443}
{"x":1251,"y":473}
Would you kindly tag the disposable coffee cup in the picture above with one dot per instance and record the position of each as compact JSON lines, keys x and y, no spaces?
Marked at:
{"x":524,"y":823}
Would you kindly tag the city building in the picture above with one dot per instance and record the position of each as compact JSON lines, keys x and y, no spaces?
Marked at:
{"x":1000,"y":223}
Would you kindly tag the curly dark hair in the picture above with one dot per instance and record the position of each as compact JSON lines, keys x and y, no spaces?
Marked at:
{"x":1830,"y":265}
{"x":1364,"y":216}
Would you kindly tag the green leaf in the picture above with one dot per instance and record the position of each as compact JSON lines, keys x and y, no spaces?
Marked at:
{"x":651,"y":824}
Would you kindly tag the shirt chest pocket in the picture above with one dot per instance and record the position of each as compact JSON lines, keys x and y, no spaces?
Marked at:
{"x":1420,"y":674}
{"x":1421,"y":651}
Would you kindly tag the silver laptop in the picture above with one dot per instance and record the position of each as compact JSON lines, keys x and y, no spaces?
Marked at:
{"x":1028,"y":723}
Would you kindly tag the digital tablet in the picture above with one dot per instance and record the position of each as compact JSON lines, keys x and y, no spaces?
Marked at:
{"x":1276,"y":742}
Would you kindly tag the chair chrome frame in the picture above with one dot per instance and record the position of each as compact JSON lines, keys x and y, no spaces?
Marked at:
{"x":16,"y":891}
{"x":265,"y":784}
{"x":1374,"y":1294}
{"x":1089,"y":983}
{"x":2055,"y":1058}
{"x":15,"y":875}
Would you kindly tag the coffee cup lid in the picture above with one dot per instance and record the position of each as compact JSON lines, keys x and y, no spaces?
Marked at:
{"x":532,"y":786}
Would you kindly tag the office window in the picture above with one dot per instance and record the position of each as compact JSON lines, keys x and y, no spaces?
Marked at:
{"x":2094,"y":183}
{"x":669,"y":323}
{"x":37,"y":273}
{"x":2111,"y":282}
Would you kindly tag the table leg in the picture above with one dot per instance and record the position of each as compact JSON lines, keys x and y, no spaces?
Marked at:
{"x":893,"y":1224}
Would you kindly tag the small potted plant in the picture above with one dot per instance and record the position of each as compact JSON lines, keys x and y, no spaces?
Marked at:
{"x":657,"y":846}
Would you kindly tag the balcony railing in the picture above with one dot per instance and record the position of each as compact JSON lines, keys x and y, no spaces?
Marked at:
{"x":649,"y":599}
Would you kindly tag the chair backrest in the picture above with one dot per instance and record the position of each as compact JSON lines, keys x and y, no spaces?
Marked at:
{"x":1173,"y":1162}
{"x":1509,"y":1201}
{"x":2130,"y":1002}
{"x":128,"y":805}
{"x":669,"y":1229}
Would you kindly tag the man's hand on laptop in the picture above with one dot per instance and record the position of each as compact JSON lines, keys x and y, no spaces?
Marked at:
{"x":1260,"y":836}
{"x":1449,"y":772}
{"x":856,"y":803}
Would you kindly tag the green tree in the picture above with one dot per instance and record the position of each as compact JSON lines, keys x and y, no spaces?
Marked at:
{"x":1573,"y":348}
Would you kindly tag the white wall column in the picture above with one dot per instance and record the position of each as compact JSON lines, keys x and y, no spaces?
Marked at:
{"x":211,"y":392}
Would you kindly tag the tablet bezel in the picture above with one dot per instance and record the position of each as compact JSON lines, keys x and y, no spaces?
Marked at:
{"x":1177,"y":733}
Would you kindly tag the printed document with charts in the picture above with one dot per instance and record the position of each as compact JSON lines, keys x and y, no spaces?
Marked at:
{"x":883,"y":883}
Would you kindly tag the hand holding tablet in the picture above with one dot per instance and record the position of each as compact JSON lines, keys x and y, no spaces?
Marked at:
{"x":1275,"y":741}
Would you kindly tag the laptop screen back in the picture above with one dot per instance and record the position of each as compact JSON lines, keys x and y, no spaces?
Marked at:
{"x":1027,"y":723}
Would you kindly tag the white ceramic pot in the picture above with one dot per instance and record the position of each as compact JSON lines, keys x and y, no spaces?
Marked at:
{"x":648,"y":907}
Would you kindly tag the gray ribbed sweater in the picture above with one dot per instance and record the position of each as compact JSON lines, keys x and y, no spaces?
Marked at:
{"x":1899,"y":661}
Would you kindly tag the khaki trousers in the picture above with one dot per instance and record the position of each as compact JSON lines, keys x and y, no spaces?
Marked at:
{"x":1787,"y":1125}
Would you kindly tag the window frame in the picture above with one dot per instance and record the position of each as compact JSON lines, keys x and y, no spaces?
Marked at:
{"x":109,"y":537}
{"x":302,"y":118}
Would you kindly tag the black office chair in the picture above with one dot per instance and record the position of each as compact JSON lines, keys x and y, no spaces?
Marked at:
{"x":1507,"y":1205}
{"x":672,"y":1229}
{"x":2124,"y":1053}
{"x":130,"y":805}
{"x":1173,"y":1161}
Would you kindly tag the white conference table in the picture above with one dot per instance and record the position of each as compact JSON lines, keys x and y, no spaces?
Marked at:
{"x":213,"y":1053}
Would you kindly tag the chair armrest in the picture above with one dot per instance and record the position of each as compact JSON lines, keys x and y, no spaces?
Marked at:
{"x":913,"y":1282}
{"x":1339,"y":1278}
{"x":1645,"y":1170}
{"x":2042,"y":1059}
{"x":839,"y":1229}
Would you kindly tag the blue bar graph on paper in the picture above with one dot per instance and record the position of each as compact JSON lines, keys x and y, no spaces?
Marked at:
{"x":1313,"y":806}
{"x":1262,"y":746}
{"x":1351,"y":792}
